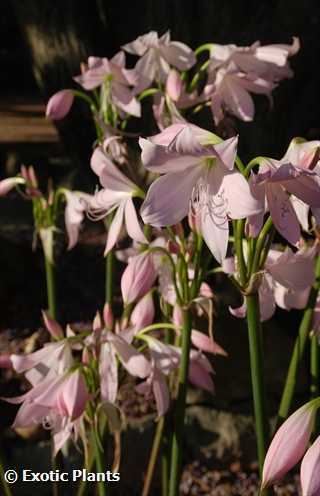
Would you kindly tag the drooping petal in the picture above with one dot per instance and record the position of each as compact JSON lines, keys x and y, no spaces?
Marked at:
{"x":282,"y":213}
{"x":161,"y":392}
{"x":115,"y":228}
{"x":132,"y":224}
{"x":302,"y":211}
{"x":237,"y":99}
{"x":200,"y":372}
{"x":293,"y":270}
{"x":266,"y":298}
{"x":109,"y":175}
{"x":125,"y":100}
{"x":206,"y":344}
{"x":215,"y":232}
{"x":135,"y":362}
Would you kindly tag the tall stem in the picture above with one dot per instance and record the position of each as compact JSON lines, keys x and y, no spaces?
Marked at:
{"x":99,"y":461}
{"x":109,"y":277}
{"x":298,"y":350}
{"x":51,"y":287}
{"x":153,"y":457}
{"x":257,"y":375}
{"x":180,"y":407}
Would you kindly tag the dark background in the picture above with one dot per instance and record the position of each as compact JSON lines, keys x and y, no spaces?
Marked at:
{"x":43,"y":42}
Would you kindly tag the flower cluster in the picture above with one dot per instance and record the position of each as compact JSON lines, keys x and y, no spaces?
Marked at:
{"x":187,"y":209}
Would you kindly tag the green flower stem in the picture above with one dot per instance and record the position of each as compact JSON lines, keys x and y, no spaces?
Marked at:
{"x":99,"y":461}
{"x":260,"y":244}
{"x":153,"y":457}
{"x":110,"y":262}
{"x":109,"y":277}
{"x":314,"y":367}
{"x":51,"y":287}
{"x":179,"y":414}
{"x":257,"y":375}
{"x":298,"y":350}
{"x":238,"y":227}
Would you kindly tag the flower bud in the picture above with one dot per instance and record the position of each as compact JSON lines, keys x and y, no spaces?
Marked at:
{"x":174,"y":85}
{"x":59,"y":104}
{"x":289,"y":443}
{"x":108,"y":316}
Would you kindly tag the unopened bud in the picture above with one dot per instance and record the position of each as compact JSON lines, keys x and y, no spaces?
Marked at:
{"x":108,"y":316}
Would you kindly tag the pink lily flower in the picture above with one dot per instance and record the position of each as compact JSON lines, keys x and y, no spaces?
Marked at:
{"x":235,"y":72}
{"x":114,"y":80}
{"x":272,"y":185}
{"x":157,"y":54}
{"x":289,"y":444}
{"x":269,"y":61}
{"x":286,"y":281}
{"x":310,"y":470}
{"x":196,"y":175}
{"x":59,"y":104}
{"x":231,"y":89}
{"x":116,"y":194}
{"x":55,"y":395}
{"x":306,"y":156}
{"x":74,"y":214}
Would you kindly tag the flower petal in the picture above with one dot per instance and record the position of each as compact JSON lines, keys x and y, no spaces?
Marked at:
{"x":167,"y":200}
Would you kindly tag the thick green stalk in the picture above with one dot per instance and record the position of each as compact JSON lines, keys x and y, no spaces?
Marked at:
{"x":257,"y":375}
{"x":165,"y":460}
{"x":298,"y":351}
{"x":153,"y":457}
{"x":99,"y":461}
{"x":180,"y":407}
{"x":51,"y":287}
{"x":109,"y":277}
